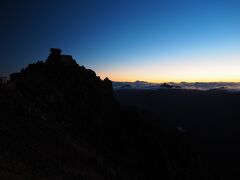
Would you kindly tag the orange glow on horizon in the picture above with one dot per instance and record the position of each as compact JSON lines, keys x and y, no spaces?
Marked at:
{"x":161,"y":80}
{"x":225,"y":69}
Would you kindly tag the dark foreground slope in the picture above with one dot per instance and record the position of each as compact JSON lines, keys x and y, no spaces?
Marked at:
{"x":211,"y":118}
{"x":58,"y":120}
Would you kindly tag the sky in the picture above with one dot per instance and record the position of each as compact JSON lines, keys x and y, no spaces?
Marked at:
{"x":127,"y":40}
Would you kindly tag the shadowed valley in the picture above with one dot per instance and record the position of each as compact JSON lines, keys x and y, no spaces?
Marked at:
{"x":210,"y":118}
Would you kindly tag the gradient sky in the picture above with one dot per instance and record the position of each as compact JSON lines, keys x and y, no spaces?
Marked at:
{"x":127,"y":40}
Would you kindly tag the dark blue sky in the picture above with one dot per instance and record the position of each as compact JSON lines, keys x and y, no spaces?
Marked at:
{"x":164,"y":40}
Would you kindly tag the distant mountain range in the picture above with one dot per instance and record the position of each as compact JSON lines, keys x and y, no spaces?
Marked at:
{"x":205,"y":86}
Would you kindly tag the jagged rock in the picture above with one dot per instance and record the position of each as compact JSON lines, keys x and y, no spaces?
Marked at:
{"x":55,"y":53}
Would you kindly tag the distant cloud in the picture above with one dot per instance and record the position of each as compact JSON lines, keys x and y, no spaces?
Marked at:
{"x":230,"y":86}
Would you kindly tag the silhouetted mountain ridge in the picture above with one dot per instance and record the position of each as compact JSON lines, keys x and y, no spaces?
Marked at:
{"x":61,"y":121}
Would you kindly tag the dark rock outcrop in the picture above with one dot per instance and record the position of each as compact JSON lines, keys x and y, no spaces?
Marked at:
{"x":165,"y":85}
{"x":169,"y":86}
{"x":60,"y":121}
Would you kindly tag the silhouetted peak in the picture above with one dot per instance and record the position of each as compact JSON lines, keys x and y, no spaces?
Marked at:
{"x":107,"y":83}
{"x":106,"y":80}
{"x":63,"y":72}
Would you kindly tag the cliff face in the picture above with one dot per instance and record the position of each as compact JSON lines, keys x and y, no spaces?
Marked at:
{"x":60,"y":121}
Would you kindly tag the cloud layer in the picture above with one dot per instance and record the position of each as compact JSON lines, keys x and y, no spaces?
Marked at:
{"x":229,"y":86}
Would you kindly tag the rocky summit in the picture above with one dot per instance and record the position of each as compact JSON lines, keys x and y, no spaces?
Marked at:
{"x":58,"y":120}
